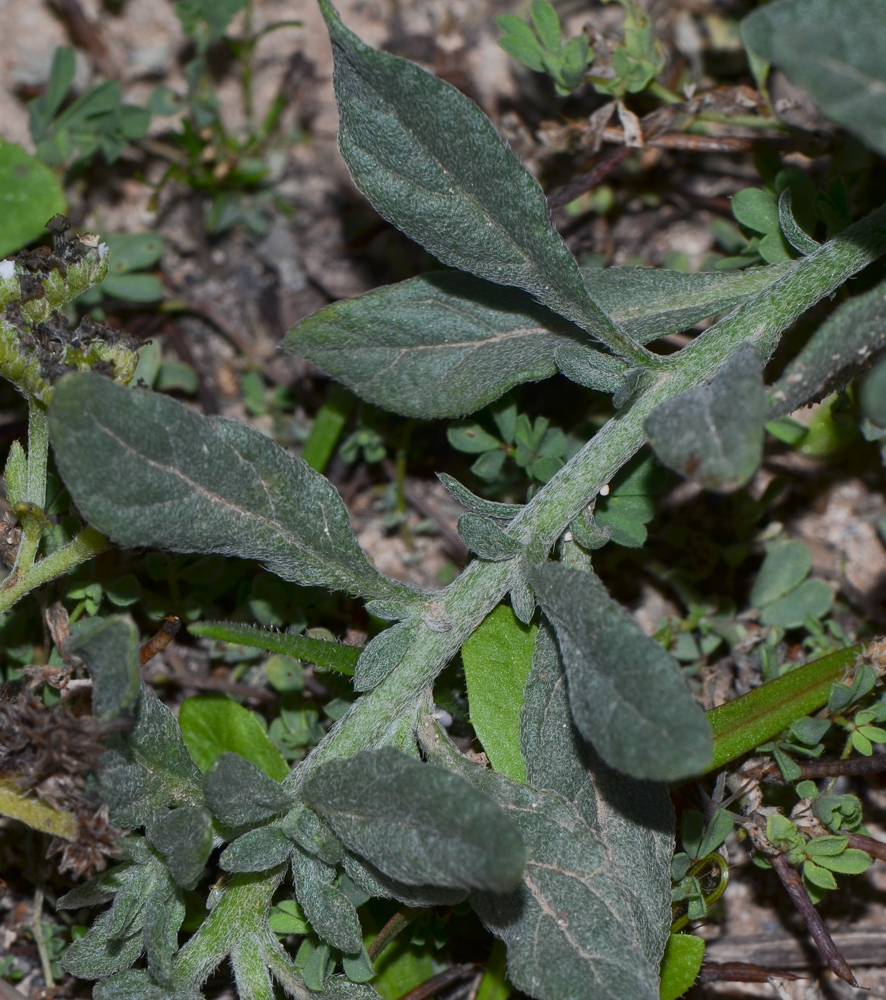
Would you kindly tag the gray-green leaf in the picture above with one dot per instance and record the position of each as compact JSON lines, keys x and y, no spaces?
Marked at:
{"x":714,"y":435}
{"x":110,"y":649}
{"x":382,"y":654}
{"x":440,"y":345}
{"x":840,"y":350}
{"x":239,"y":792}
{"x":328,"y":909}
{"x":416,"y":823}
{"x":256,"y":851}
{"x":486,"y":538}
{"x":184,"y":837}
{"x":834,"y":49}
{"x":187,"y":483}
{"x":632,"y":819}
{"x":626,"y":693}
{"x":432,"y":163}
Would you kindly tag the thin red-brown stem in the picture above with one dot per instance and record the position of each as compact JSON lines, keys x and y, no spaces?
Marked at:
{"x":828,"y":768}
{"x":793,"y":883}
{"x":396,"y":925}
{"x":740,"y":972}
{"x":435,"y":984}
{"x":876,"y":848}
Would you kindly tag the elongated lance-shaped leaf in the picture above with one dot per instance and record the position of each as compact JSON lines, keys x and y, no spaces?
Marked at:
{"x":714,"y":435}
{"x":568,"y":927}
{"x":633,"y":818}
{"x":440,"y":345}
{"x":834,"y":50}
{"x":417,"y":823}
{"x":625,"y":692}
{"x":841,"y":349}
{"x":147,"y":470}
{"x":327,"y":654}
{"x":432,"y":163}
{"x":329,"y":912}
{"x":445,"y":344}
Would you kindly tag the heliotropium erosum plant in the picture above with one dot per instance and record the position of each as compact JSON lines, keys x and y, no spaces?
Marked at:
{"x":563,"y":847}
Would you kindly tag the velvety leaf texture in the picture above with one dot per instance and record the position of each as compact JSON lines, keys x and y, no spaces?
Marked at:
{"x":833,"y":49}
{"x":110,"y":649}
{"x":840,"y":350}
{"x":567,"y":927}
{"x":186,"y":483}
{"x":184,"y":837}
{"x":375,"y":883}
{"x":445,"y":344}
{"x":256,"y":851}
{"x":626,"y":693}
{"x":328,"y":910}
{"x":714,"y":435}
{"x":417,"y":823}
{"x":486,"y":538}
{"x":239,"y":792}
{"x":634,"y":819}
{"x":152,"y":769}
{"x":446,"y":178}
{"x":383,"y":653}
{"x":440,"y":345}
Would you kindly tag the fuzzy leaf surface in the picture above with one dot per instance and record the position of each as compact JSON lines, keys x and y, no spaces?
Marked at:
{"x":239,"y":792}
{"x":834,"y":50}
{"x":626,"y":693}
{"x":256,"y":851}
{"x":184,"y":837}
{"x":417,"y":823}
{"x":432,"y":163}
{"x":840,"y":350}
{"x":382,"y":654}
{"x":633,"y":818}
{"x":149,"y":771}
{"x":330,"y":913}
{"x":445,"y":344}
{"x":110,"y":649}
{"x":714,"y":435}
{"x":187,"y":483}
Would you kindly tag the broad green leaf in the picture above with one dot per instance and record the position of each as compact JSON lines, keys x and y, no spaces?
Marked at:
{"x":402,"y":966}
{"x":30,"y":193}
{"x":382,"y":654}
{"x":256,"y":851}
{"x":97,"y":956}
{"x":756,"y":209}
{"x":812,"y":597}
{"x":440,"y":345}
{"x":329,"y":912}
{"x":184,"y":837}
{"x":497,"y":659}
{"x":547,"y":24}
{"x":110,"y":649}
{"x":432,"y":164}
{"x":415,"y":822}
{"x":714,"y":435}
{"x":187,"y":483}
{"x":633,"y":818}
{"x":133,"y":251}
{"x":840,"y":350}
{"x":626,"y":693}
{"x":785,"y":567}
{"x":834,"y":50}
{"x":850,"y":862}
{"x":212,"y":725}
{"x":681,"y":964}
{"x":330,"y":655}
{"x":134,"y":287}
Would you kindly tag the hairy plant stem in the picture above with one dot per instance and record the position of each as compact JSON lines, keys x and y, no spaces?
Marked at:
{"x":83,"y":546}
{"x":387,"y":713}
